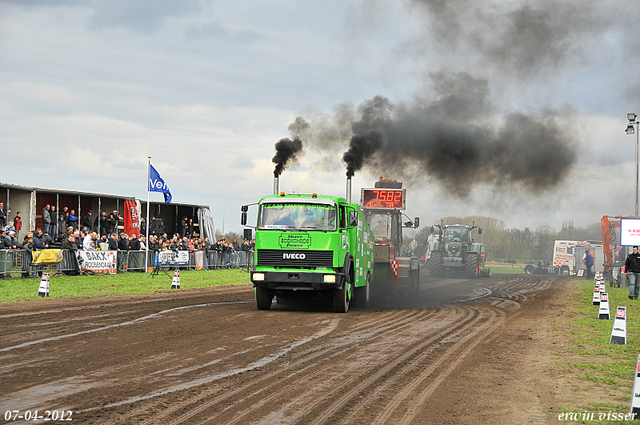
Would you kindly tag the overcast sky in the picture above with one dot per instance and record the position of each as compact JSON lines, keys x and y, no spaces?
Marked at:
{"x":509,"y":109}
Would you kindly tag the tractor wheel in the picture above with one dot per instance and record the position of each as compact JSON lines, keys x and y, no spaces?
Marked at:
{"x":264,"y":297}
{"x":471,"y":265}
{"x":341,"y":296}
{"x":414,"y":278}
{"x":529,"y":270}
{"x":435,"y":264}
{"x":564,"y":271}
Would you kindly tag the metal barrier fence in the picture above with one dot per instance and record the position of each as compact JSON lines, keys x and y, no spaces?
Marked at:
{"x":17,"y":262}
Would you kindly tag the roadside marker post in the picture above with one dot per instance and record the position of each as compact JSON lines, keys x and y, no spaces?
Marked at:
{"x":635,"y":397}
{"x":604,"y":313}
{"x":175,"y":282}
{"x":596,"y":295}
{"x":43,"y":290}
{"x":619,"y":331}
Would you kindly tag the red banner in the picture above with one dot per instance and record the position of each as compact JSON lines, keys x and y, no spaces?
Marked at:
{"x":131,"y":219}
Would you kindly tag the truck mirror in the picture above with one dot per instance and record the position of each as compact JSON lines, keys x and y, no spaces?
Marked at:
{"x":244,"y":208}
{"x":479,"y":230}
{"x":353,"y":218}
{"x":433,"y":229}
{"x":248,"y":234}
{"x":243,"y":218}
{"x":416,"y":222}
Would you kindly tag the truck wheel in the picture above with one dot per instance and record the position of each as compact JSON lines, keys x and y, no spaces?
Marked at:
{"x":363,"y":294}
{"x":435,"y":264}
{"x":264,"y":297}
{"x":529,"y":269}
{"x":341,"y":296}
{"x":564,"y":271}
{"x":471,"y":265}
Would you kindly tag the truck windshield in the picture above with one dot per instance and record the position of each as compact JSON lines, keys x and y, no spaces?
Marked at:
{"x":456,"y":234}
{"x":380,"y":225}
{"x":297,"y":216}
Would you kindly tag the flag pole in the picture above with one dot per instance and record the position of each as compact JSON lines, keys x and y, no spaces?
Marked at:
{"x":146,"y":245}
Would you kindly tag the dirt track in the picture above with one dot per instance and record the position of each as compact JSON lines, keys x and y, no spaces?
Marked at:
{"x":208,"y":356}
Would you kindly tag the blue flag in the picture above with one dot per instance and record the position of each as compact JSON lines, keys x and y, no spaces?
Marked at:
{"x":156,"y":184}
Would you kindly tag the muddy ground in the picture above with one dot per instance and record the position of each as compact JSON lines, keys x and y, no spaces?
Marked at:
{"x":477,"y":356}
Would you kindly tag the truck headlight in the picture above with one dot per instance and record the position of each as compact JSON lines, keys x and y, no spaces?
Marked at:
{"x":329,"y":278}
{"x":258,"y":276}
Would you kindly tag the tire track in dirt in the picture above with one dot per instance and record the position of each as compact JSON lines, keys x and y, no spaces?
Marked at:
{"x":386,"y":323}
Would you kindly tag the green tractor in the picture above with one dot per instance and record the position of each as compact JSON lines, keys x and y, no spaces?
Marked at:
{"x":455,"y":253}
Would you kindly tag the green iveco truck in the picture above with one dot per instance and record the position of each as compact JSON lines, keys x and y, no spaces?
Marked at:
{"x":311,"y":247}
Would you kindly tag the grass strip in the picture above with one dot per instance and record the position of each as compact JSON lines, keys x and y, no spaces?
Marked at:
{"x":15,"y":290}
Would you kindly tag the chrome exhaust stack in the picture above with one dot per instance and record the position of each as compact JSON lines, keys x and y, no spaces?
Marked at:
{"x":276,"y":185}
{"x":348,"y":195}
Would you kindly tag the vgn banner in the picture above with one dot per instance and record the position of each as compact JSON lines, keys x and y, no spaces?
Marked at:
{"x":97,"y":262}
{"x":172,"y":257}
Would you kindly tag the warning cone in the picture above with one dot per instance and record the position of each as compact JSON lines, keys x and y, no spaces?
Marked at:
{"x":603,"y":312}
{"x":175,"y":283}
{"x":43,"y":290}
{"x":619,"y":331}
{"x":596,"y":295}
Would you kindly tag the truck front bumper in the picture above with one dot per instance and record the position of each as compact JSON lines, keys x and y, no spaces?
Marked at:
{"x":297,"y":281}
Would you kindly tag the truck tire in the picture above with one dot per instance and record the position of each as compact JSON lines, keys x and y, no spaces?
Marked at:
{"x":529,"y":270}
{"x":564,"y":271}
{"x":471,"y":265}
{"x":362,"y":294}
{"x":264,"y":297}
{"x":341,"y":296}
{"x":435,"y":264}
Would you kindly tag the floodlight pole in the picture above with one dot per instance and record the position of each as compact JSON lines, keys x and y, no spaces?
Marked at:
{"x":630,"y":130}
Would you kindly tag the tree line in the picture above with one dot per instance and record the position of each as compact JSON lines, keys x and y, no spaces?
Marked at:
{"x":525,"y":245}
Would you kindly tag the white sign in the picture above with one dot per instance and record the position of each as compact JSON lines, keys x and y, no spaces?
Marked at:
{"x":619,"y":331}
{"x":173,"y":257}
{"x":596,"y":295}
{"x":97,"y":262}
{"x":629,"y":231}
{"x":603,"y":312}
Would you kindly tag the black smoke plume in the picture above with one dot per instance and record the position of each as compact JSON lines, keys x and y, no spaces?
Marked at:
{"x":286,"y":151}
{"x":454,"y":139}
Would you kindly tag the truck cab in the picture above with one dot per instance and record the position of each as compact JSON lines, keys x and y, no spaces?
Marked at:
{"x":311,"y":246}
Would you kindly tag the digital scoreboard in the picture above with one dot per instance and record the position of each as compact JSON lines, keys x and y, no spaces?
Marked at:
{"x":384,"y":198}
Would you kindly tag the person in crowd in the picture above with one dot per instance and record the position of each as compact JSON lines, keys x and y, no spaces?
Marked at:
{"x":134,"y":256}
{"x":123,"y":248}
{"x":632,"y":270}
{"x":46,"y":218}
{"x":69,"y":244}
{"x":13,"y":240}
{"x":102,"y":223}
{"x":46,"y":239}
{"x":9,"y":227}
{"x":67,"y":231}
{"x":5,"y":243}
{"x":143,"y":242}
{"x":63,"y":219}
{"x":103,"y":243}
{"x":17,"y":220}
{"x":53,"y":228}
{"x":184,"y":226}
{"x":37,"y":240}
{"x":113,"y":242}
{"x":164,"y":238}
{"x":87,"y":221}
{"x":143,"y":226}
{"x":73,"y":219}
{"x":27,"y":246}
{"x":114,"y":221}
{"x":3,"y":214}
{"x":79,"y":238}
{"x":89,"y":241}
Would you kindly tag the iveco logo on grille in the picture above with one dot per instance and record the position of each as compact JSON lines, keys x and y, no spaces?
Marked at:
{"x":293,"y":256}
